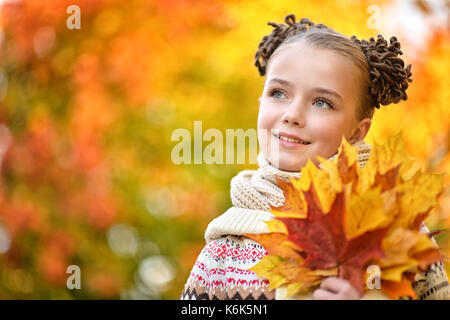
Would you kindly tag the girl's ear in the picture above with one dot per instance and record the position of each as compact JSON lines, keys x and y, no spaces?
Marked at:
{"x":361,"y":131}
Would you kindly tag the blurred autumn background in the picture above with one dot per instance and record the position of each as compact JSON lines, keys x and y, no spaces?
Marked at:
{"x":86,"y":117}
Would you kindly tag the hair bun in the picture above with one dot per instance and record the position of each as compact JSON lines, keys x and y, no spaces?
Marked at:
{"x":388,"y":76}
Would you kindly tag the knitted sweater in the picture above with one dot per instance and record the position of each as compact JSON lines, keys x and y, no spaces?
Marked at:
{"x":221,"y":270}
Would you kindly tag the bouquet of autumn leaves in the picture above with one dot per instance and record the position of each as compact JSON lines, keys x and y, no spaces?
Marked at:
{"x":339,"y":219}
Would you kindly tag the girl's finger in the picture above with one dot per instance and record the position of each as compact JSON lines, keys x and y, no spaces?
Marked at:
{"x":334,"y":284}
{"x":321,"y":294}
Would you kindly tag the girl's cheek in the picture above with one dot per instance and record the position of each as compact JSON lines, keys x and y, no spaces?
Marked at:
{"x":327,"y":132}
{"x":265,"y":118}
{"x":266,"y":122}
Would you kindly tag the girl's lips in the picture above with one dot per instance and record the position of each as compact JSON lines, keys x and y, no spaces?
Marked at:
{"x":289,"y":135}
{"x":290,"y":145}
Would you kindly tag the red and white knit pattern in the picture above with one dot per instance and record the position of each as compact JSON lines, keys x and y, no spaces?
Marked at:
{"x":221,"y":271}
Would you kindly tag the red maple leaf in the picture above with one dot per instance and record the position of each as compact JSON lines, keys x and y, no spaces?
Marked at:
{"x":323,"y":238}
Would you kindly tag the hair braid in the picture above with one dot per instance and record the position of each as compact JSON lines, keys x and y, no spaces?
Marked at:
{"x":281,"y":32}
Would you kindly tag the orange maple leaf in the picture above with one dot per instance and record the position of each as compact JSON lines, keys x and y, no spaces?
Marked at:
{"x":323,"y":239}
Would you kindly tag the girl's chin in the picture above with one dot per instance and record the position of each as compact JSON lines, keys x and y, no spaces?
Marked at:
{"x":293,"y":165}
{"x":291,"y":168}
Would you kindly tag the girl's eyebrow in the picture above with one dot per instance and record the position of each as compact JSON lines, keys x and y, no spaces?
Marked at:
{"x":331,"y":92}
{"x":281,"y":81}
{"x":317,"y":89}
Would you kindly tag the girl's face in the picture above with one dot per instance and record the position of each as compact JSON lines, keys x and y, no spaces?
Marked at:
{"x":311,"y":96}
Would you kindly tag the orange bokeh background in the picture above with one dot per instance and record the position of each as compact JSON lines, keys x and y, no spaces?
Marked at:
{"x":86,"y":117}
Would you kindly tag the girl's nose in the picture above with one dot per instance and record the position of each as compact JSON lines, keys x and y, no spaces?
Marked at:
{"x":294,"y":115}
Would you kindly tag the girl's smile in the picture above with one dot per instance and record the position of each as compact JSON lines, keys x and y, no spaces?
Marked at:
{"x":290,"y":141}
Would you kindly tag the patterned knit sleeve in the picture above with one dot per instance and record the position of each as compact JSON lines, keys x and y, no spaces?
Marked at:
{"x":221,"y":272}
{"x":433,"y":283}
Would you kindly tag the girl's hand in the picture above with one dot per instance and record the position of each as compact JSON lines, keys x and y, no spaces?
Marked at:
{"x":334,"y":288}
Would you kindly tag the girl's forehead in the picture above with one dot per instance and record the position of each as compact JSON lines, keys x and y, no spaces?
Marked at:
{"x":298,"y":62}
{"x":300,"y":56}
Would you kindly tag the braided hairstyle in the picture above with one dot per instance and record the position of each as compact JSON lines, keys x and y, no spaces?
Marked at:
{"x":384,"y":78}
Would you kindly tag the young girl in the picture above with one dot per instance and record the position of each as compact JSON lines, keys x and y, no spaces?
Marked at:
{"x":320,"y":86}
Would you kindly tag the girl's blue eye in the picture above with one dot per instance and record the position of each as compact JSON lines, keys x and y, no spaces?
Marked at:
{"x":275,"y":91}
{"x":322,"y":104}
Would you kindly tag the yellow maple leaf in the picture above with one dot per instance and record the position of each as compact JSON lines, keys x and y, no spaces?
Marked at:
{"x":275,"y":225}
{"x":264,"y":269}
{"x":365,"y":212}
{"x":418,"y":195}
{"x":296,"y":206}
{"x":385,"y":156}
{"x":325,"y":183}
